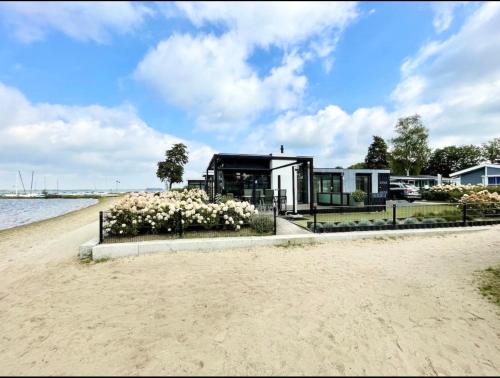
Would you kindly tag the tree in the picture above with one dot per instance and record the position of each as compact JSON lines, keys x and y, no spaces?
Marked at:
{"x":452,"y":158}
{"x":491,"y":150}
{"x":377,"y":156}
{"x":411,"y":149}
{"x":171,"y":169}
{"x":357,"y":166}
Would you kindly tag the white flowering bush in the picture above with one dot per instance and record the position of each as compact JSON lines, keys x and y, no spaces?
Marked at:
{"x":452,"y":193}
{"x":141,"y":213}
{"x":482,"y":197}
{"x":482,"y":204}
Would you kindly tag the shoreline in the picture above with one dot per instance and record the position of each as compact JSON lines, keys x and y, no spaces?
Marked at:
{"x":47,"y":221}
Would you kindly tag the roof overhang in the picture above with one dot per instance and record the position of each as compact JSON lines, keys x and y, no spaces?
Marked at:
{"x":270,"y":157}
{"x":476,"y":167}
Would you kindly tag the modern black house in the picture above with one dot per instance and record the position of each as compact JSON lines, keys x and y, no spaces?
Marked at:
{"x":290,"y":181}
{"x":289,"y":178}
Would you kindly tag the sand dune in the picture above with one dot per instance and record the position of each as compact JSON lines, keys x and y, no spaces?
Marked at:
{"x":406,"y":306}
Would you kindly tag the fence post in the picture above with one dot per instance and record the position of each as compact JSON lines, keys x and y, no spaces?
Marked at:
{"x":101,"y":221}
{"x":179,"y":222}
{"x":464,"y":214}
{"x":394,"y":214}
{"x":279,"y":193}
{"x":274,"y":214}
{"x":315,"y":211}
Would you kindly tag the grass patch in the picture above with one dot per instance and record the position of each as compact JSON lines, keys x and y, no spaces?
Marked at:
{"x":413,"y":211}
{"x":187,"y":234}
{"x":102,"y":260}
{"x":489,"y":284}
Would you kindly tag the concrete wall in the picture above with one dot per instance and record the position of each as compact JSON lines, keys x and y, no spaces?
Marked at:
{"x":105,"y":251}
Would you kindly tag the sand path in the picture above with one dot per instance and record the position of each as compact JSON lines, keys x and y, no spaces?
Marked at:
{"x":404,"y":306}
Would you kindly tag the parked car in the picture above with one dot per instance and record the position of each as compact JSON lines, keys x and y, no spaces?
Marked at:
{"x":399,"y":190}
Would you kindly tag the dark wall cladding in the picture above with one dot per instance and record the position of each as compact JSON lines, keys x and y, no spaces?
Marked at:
{"x":244,"y":163}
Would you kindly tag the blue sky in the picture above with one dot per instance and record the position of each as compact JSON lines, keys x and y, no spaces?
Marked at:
{"x":93,"y":92}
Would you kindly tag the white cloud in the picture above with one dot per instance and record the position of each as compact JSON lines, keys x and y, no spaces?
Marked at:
{"x":453,"y":84}
{"x":333,"y":135}
{"x":457,"y":81}
{"x":84,"y":144}
{"x":282,"y":24}
{"x":444,"y":14}
{"x":83,"y":21}
{"x":210,"y":76}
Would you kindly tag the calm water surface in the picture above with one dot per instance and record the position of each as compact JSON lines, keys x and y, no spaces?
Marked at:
{"x":15,"y":212}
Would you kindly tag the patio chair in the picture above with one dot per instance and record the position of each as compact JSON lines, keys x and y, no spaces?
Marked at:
{"x":247,"y":194}
{"x":268,"y":198}
{"x":283,"y":198}
{"x":258,"y":197}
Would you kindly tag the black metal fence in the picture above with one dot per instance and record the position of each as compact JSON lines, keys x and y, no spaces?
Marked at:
{"x":398,"y":216}
{"x":180,"y":227}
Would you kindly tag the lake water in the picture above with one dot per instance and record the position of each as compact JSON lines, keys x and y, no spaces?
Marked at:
{"x":15,"y":212}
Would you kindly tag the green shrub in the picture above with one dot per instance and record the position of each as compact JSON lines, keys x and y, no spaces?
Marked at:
{"x":429,"y":221}
{"x":329,"y":226}
{"x":346,"y":224}
{"x":319,"y":226}
{"x":261,"y":223}
{"x":441,"y":220}
{"x":359,"y":196}
{"x":364,"y":223}
{"x":379,"y":222}
{"x":410,"y":221}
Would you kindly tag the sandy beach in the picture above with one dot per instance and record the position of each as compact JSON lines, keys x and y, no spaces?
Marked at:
{"x":392,"y":306}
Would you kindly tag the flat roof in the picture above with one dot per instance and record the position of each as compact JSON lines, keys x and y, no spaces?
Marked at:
{"x":479,"y":166}
{"x":258,"y":156}
{"x":326,"y":170}
{"x":416,"y":177}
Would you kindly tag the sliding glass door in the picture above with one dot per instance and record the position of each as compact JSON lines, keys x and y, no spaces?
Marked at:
{"x":328,"y":188}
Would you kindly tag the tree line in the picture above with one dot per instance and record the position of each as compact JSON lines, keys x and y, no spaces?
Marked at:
{"x":411,"y":155}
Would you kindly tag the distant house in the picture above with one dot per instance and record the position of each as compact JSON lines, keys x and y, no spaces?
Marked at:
{"x":485,"y":173}
{"x":422,"y":181}
{"x":196,"y":184}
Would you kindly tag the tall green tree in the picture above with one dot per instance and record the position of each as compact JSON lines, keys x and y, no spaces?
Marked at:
{"x":410,"y":146}
{"x":491,"y":150}
{"x":360,"y":165}
{"x":171,"y":169}
{"x":377,"y":156}
{"x":453,"y":158}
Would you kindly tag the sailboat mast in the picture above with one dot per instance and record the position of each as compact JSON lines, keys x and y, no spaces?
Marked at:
{"x":22,"y":182}
{"x":16,"y":184}
{"x":31,"y":185}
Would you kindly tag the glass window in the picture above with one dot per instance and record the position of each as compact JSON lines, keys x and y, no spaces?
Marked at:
{"x":336,"y":183}
{"x":363,"y":183}
{"x":326,"y":184}
{"x":494,"y":180}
